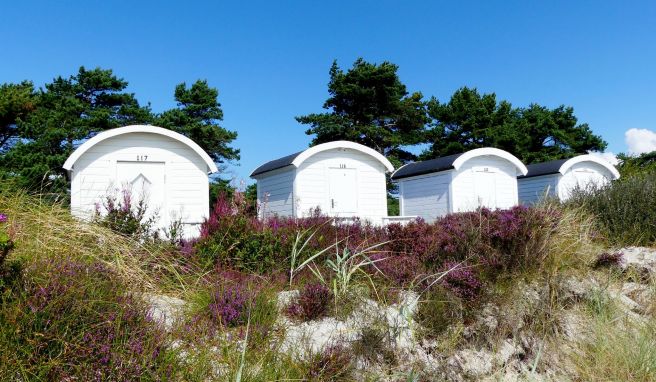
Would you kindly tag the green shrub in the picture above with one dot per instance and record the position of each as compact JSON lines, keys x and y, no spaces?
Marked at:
{"x":243,"y":247}
{"x":625,"y":209}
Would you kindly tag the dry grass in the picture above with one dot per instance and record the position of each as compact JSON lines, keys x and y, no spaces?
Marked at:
{"x":42,"y":229}
{"x":620,"y":348}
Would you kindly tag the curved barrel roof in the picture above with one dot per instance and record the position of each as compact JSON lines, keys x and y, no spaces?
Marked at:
{"x":68,"y":165}
{"x":454,"y":161}
{"x":560,"y":166}
{"x":298,"y":158}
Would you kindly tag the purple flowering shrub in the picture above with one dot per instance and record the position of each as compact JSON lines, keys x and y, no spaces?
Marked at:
{"x":313,"y":302}
{"x":76,"y":321}
{"x":461,"y":280}
{"x":519,"y":236}
{"x":229,"y":306}
{"x":124,"y":215}
{"x":403,"y":270}
{"x":488,"y":243}
{"x":500,"y":238}
{"x":237,"y":297}
{"x":494,"y":242}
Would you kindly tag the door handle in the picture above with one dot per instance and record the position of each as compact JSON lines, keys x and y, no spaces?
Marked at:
{"x":332,"y":203}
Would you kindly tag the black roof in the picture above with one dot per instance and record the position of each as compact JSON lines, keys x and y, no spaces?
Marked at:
{"x":425,"y":167}
{"x":544,"y":168}
{"x":276,"y":164}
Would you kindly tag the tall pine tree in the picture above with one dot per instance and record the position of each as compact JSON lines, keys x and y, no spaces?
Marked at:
{"x":66,"y":112}
{"x":370,"y":105}
{"x":197,"y":117}
{"x":534,"y":134}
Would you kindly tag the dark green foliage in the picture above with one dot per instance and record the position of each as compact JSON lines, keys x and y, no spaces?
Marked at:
{"x":242,"y":247}
{"x":39,"y":130}
{"x":219,"y":187}
{"x":624,"y":209}
{"x":197,"y":117}
{"x":17,"y":101}
{"x":393,"y":208}
{"x":250,"y":194}
{"x":67,"y":111}
{"x":10,"y":271}
{"x":232,"y":236}
{"x":636,"y":165}
{"x":534,"y":134}
{"x":370,"y":105}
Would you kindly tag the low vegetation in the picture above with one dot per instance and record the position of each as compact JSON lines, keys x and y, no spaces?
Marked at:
{"x":89,"y":301}
{"x":624,"y":210}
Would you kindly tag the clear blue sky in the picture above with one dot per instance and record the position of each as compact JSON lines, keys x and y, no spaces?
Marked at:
{"x":270,"y":59}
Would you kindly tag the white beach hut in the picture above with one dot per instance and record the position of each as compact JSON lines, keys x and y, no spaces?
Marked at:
{"x":165,"y":169}
{"x":559,"y":177}
{"x":485,"y":177}
{"x":341,"y":178}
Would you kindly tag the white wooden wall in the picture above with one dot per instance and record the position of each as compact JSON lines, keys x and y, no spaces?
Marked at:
{"x":425,"y":196}
{"x":275,"y":192}
{"x":534,"y":189}
{"x":311,"y":188}
{"x":186,"y":191}
{"x":463,"y":187}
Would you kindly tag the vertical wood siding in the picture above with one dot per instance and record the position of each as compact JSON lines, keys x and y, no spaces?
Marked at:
{"x":186,"y":191}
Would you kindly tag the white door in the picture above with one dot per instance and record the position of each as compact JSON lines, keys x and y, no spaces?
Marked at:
{"x":485,"y":187}
{"x":145,"y":181}
{"x":343,"y":191}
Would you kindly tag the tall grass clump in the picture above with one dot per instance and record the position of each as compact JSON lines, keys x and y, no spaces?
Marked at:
{"x":42,"y":229}
{"x":70,"y":306}
{"x":619,"y":348}
{"x":625,"y":209}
